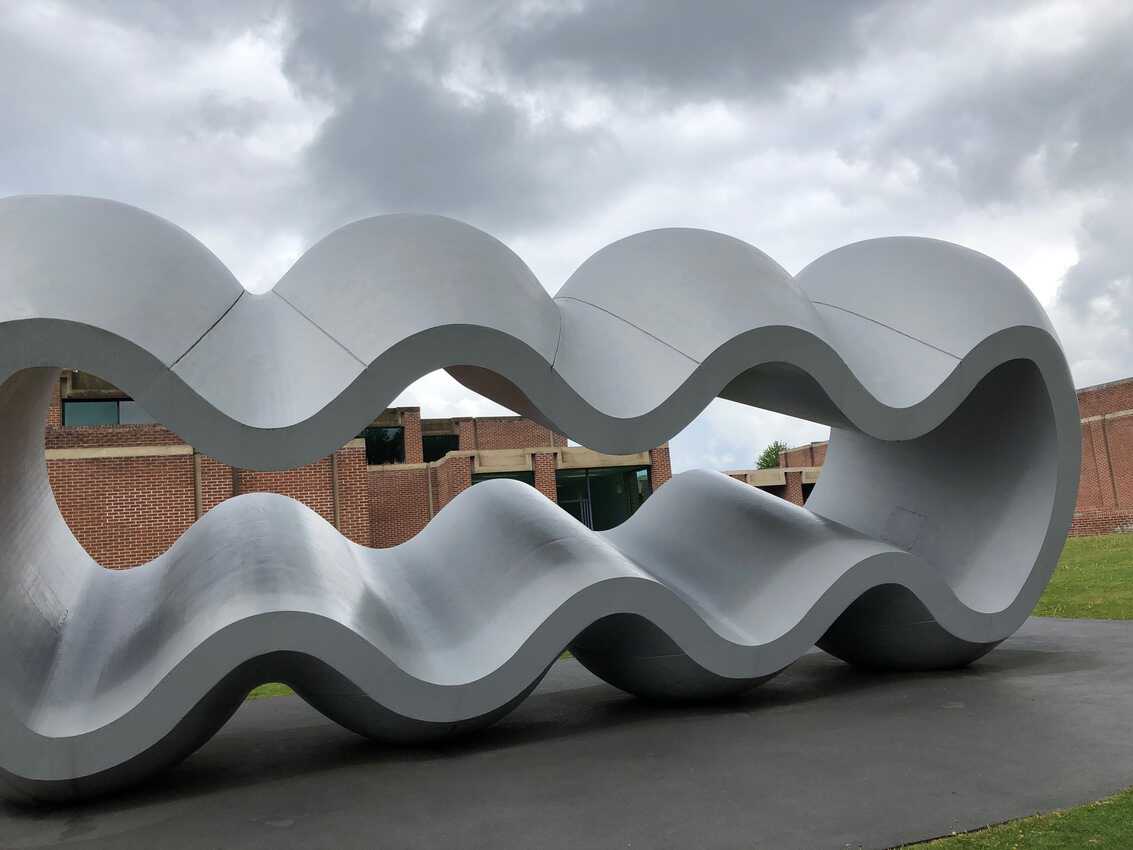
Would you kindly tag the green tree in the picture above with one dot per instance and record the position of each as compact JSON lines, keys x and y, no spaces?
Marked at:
{"x":769,"y":457}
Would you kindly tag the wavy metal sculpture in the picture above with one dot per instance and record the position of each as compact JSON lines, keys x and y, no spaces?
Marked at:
{"x":941,"y":510}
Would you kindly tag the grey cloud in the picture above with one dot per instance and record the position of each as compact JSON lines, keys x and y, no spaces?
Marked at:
{"x":197,"y":21}
{"x":688,"y":50}
{"x":335,"y":49}
{"x":1105,"y":267}
{"x":1072,"y":118}
{"x":408,"y":146}
{"x":1094,"y":308}
{"x":400,"y":139}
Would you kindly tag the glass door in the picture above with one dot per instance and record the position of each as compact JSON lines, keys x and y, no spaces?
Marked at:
{"x":573,"y":493}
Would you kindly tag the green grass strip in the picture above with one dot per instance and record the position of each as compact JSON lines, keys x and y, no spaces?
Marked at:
{"x":1093,"y":580}
{"x":1106,"y":824}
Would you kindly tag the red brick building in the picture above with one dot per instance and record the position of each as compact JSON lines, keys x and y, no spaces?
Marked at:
{"x":1105,"y":492}
{"x":128,"y":487}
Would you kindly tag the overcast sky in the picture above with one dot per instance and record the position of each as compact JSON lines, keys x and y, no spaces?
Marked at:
{"x":562,"y":126}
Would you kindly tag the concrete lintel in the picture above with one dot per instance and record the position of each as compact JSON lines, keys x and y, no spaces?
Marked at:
{"x":108,"y":452}
{"x":777,"y":475}
{"x":578,"y":457}
{"x":1117,"y":414}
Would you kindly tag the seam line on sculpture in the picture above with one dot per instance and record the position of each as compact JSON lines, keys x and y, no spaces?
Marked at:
{"x":889,"y":327}
{"x":558,"y":340}
{"x":219,"y":319}
{"x":324,"y":331}
{"x":631,"y":324}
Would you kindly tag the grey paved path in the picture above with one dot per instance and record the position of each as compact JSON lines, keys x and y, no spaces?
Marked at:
{"x":822,"y":756}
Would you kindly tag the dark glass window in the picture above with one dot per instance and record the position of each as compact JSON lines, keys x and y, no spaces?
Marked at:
{"x":436,"y":446}
{"x":384,"y":445}
{"x":602,"y":498}
{"x":644,"y":485}
{"x":81,"y":414}
{"x":131,"y":413}
{"x":573,"y":494}
{"x":526,"y":476}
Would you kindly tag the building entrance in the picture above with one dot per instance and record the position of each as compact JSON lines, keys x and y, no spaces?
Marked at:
{"x":602,"y":498}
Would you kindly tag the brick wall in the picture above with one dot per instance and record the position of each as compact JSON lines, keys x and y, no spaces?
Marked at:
{"x":505,"y":432}
{"x":55,"y":412}
{"x":398,"y":503}
{"x":1090,"y":494}
{"x":543,"y":465}
{"x":128,"y":510}
{"x":818,"y":452}
{"x":411,"y":421}
{"x":793,"y":490}
{"x":354,"y":493}
{"x":310,"y":484}
{"x":661,"y":469}
{"x":453,"y":475}
{"x":1101,"y":522}
{"x":1105,"y":494}
{"x":1106,"y":398}
{"x":105,"y":436}
{"x":125,"y":511}
{"x":812,"y":454}
{"x":217,"y":483}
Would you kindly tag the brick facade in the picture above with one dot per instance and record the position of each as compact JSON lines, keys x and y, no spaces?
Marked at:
{"x":454,"y":476}
{"x":106,"y":436}
{"x":812,"y":454}
{"x":125,"y":511}
{"x":398,"y":503}
{"x":129,"y":491}
{"x":661,"y":468}
{"x":543,"y":468}
{"x":504,"y":432}
{"x":411,"y":421}
{"x":793,"y":489}
{"x":1105,"y":494}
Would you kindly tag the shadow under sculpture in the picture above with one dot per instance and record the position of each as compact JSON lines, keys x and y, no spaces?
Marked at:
{"x":940,"y":513}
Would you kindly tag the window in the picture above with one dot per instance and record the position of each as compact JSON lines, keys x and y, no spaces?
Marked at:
{"x":131,"y":413}
{"x":83,"y":414}
{"x":526,"y":476}
{"x":436,"y":446}
{"x":384,"y":445}
{"x":602,"y":498}
{"x":79,"y":413}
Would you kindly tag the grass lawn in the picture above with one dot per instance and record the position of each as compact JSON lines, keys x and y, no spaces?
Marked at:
{"x":1093,"y":580}
{"x":272,"y":689}
{"x":1106,"y":823}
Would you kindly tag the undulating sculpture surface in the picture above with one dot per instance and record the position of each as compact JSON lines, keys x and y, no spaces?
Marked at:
{"x":940,"y":513}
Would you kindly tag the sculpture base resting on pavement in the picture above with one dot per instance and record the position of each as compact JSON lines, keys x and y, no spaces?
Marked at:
{"x":941,"y":511}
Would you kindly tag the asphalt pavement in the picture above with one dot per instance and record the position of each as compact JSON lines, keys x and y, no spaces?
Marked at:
{"x":823,"y":756}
